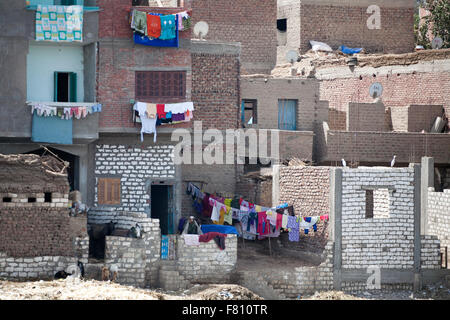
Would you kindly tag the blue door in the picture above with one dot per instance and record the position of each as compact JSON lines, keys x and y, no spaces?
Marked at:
{"x":287,"y":114}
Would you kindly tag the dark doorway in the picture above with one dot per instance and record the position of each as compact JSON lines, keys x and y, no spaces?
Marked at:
{"x":72,"y":170}
{"x":161,"y":207}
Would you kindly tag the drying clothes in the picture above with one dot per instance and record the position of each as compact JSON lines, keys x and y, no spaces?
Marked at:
{"x":220,"y":241}
{"x":187,"y":22}
{"x":59,"y":23}
{"x":272,"y":217}
{"x":258,"y":208}
{"x":208,"y":236}
{"x":252,"y":220}
{"x":140,"y":22}
{"x":181,"y":224}
{"x":284,"y":221}
{"x":293,"y":225}
{"x":153,"y":26}
{"x":97,"y":107}
{"x":160,"y":111}
{"x":228,"y":217}
{"x":235,"y":213}
{"x":206,"y":212}
{"x":324,"y":217}
{"x":263,"y":224}
{"x":178,"y":117}
{"x":191,"y":239}
{"x":148,"y":125}
{"x":168,"y":27}
{"x":151,"y":110}
{"x":307,"y":223}
{"x":218,"y":228}
{"x":215,"y":215}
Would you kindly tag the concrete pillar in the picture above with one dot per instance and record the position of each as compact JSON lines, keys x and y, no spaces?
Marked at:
{"x":417,"y":226}
{"x":336,"y":224}
{"x":275,"y":185}
{"x":427,"y":180}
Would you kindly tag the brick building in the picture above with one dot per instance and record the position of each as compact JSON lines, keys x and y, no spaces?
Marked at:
{"x":346,"y":23}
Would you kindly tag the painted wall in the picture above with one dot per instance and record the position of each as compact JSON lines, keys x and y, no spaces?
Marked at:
{"x":43,"y":61}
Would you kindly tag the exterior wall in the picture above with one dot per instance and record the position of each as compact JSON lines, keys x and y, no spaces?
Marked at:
{"x":429,"y":252}
{"x":438,"y":209}
{"x":399,"y":118}
{"x":136,"y":167}
{"x":120,"y":58}
{"x":366,"y":117}
{"x":382,"y":146}
{"x":250,"y":22}
{"x":137,"y":259}
{"x":206,"y":263}
{"x":290,"y":10}
{"x":308,"y":190}
{"x":41,"y":267}
{"x":267,"y":93}
{"x":43,"y":61}
{"x":384,"y":242}
{"x":215,"y":84}
{"x":422,"y":117}
{"x":345,"y":23}
{"x":408,"y":83}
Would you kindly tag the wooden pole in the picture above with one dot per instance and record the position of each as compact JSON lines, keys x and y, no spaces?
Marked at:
{"x":270,"y":248}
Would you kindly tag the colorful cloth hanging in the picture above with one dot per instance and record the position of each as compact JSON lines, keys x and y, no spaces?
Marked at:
{"x":59,"y":23}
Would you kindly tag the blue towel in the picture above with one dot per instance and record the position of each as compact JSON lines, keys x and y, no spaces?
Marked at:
{"x":218,"y":228}
{"x":168,"y":27}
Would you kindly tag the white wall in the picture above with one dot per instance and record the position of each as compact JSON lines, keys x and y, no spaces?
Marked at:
{"x":43,"y":60}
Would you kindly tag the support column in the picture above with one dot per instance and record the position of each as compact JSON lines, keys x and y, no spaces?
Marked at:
{"x":417,"y":226}
{"x":336,"y":224}
{"x":427,"y":180}
{"x":275,"y":185}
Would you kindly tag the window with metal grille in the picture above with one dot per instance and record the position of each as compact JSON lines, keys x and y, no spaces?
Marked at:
{"x":161,"y":86}
{"x":108,"y":191}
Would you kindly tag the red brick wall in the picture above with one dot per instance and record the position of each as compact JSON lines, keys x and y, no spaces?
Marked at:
{"x":119,"y":58}
{"x":36,"y":231}
{"x":398,"y":90}
{"x":215,"y":90}
{"x":343,"y":25}
{"x":250,"y":22}
{"x":366,"y":117}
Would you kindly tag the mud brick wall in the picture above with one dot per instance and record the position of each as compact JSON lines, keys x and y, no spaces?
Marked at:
{"x":422,"y":117}
{"x":250,"y":22}
{"x":33,"y":231}
{"x":345,"y":23}
{"x":438,"y":209}
{"x":135,"y":167}
{"x":384,"y":242}
{"x":215,"y":90}
{"x":366,"y":117}
{"x":206,"y":263}
{"x":307,"y":189}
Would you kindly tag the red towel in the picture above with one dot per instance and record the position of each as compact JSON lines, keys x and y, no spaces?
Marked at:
{"x":160,"y":111}
{"x":153,"y":26}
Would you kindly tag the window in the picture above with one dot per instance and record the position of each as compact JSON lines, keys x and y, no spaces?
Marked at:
{"x":7,"y":199}
{"x":165,"y":86}
{"x":287,"y":114}
{"x":282,"y":25}
{"x":281,"y":32}
{"x":47,"y":197}
{"x":249,"y":115}
{"x":139,"y":3}
{"x":108,"y":191}
{"x":65,"y":86}
{"x":377,"y":203}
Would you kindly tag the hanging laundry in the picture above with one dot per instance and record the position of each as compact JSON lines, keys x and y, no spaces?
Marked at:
{"x":293,"y":225}
{"x":160,"y":111}
{"x":191,"y":239}
{"x":140,"y":22}
{"x":148,"y":125}
{"x":151,"y":111}
{"x":187,"y":21}
{"x":263,"y":224}
{"x":228,"y":218}
{"x":153,"y":26}
{"x":168,"y":27}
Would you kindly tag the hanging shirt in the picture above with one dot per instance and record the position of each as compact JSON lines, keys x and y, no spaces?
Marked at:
{"x":151,"y":110}
{"x":263,"y":224}
{"x":228,"y":218}
{"x":284,"y":221}
{"x":160,"y":111}
{"x":148,"y":125}
{"x":153,"y":26}
{"x":293,"y":225}
{"x":168,"y":27}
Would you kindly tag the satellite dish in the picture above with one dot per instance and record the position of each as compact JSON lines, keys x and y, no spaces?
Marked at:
{"x":292,"y":56}
{"x":376,"y":90}
{"x":201,"y":29}
{"x":437,"y":43}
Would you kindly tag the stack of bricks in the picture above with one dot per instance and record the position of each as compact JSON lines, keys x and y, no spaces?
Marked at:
{"x":384,"y":242}
{"x":135,"y":167}
{"x":207,"y":263}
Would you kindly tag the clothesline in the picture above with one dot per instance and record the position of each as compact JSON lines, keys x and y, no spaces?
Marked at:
{"x":254,"y":220}
{"x":63,"y":112}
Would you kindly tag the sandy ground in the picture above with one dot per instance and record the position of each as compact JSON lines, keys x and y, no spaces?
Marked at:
{"x":76,"y":289}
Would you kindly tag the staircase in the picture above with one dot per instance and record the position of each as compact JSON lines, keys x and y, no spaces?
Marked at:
{"x":169,"y":277}
{"x":258,"y":283}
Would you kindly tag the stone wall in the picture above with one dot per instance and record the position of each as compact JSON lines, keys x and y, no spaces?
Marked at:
{"x":42,"y":267}
{"x":206,"y":263}
{"x":384,"y":242}
{"x":136,"y":167}
{"x":438,"y":209}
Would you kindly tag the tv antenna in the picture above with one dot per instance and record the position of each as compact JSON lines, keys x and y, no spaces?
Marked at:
{"x":201,"y":29}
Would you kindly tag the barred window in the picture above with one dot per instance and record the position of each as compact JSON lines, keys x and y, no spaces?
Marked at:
{"x":108,"y":191}
{"x":161,"y":86}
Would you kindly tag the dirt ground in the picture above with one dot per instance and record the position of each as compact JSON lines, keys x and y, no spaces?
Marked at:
{"x":76,"y":289}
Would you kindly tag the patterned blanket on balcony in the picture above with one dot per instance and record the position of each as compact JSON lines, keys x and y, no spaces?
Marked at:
{"x":59,"y":23}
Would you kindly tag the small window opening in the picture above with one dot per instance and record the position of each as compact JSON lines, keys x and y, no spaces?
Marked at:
{"x":48,"y":197}
{"x":31,"y":199}
{"x":377,"y":203}
{"x":7,"y":199}
{"x":282,"y":25}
